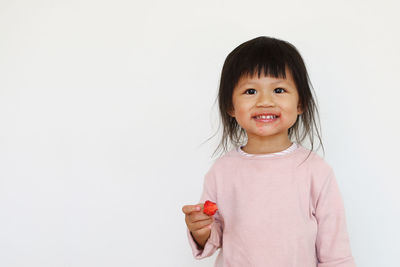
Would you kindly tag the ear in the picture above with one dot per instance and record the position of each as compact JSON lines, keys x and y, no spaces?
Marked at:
{"x":231,"y":113}
{"x":299,"y":110}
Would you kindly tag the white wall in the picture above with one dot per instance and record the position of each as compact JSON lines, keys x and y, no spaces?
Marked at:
{"x":104,"y":106}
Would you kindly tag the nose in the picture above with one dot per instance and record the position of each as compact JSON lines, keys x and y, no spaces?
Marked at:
{"x":265,"y":99}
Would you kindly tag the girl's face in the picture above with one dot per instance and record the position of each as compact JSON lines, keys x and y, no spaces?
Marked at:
{"x":266,"y":95}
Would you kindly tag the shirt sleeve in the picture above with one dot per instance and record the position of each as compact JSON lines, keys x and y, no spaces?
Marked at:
{"x":215,"y":240}
{"x":332,"y":244}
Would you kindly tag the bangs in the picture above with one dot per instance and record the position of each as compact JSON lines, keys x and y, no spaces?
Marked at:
{"x":269,"y":58}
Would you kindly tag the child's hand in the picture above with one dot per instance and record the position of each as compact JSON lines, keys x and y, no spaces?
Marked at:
{"x":198,"y":223}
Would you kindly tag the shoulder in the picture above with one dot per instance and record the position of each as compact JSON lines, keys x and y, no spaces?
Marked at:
{"x":316,"y":165}
{"x":319,"y":171}
{"x":223,"y":164}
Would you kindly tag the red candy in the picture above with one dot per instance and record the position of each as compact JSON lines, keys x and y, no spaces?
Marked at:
{"x":210,"y":208}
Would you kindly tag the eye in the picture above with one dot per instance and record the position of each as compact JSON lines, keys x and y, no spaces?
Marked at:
{"x":281,"y":90}
{"x":251,"y":89}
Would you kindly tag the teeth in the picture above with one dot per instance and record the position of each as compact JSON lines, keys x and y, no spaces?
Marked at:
{"x":270,"y":117}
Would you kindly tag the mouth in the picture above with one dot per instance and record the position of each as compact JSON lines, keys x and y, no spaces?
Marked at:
{"x":266,"y":117}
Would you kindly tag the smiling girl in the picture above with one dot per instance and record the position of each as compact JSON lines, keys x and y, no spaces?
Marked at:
{"x":279,"y":204}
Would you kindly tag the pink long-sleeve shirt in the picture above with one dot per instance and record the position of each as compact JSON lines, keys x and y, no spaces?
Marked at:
{"x":274,"y":210}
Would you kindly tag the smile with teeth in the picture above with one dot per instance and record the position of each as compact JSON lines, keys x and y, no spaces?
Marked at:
{"x":265,"y":118}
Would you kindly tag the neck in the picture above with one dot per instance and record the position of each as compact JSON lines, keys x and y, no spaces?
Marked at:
{"x":266,"y":145}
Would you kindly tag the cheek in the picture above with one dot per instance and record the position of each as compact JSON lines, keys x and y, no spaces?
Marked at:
{"x":290,"y":113}
{"x":241,"y":109}
{"x":243,"y":112}
{"x":242,"y":116}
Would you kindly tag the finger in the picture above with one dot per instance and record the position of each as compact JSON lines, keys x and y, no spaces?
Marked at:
{"x":203,"y":231}
{"x":201,"y":224}
{"x":187,"y":209}
{"x":198,"y":216}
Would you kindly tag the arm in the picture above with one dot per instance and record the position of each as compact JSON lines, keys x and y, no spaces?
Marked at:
{"x":332,"y":244}
{"x":207,"y":245}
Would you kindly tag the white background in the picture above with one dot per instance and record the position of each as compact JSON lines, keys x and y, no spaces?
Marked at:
{"x":104,"y":106}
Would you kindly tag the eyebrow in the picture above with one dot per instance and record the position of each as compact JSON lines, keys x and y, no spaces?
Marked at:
{"x":253,"y":82}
